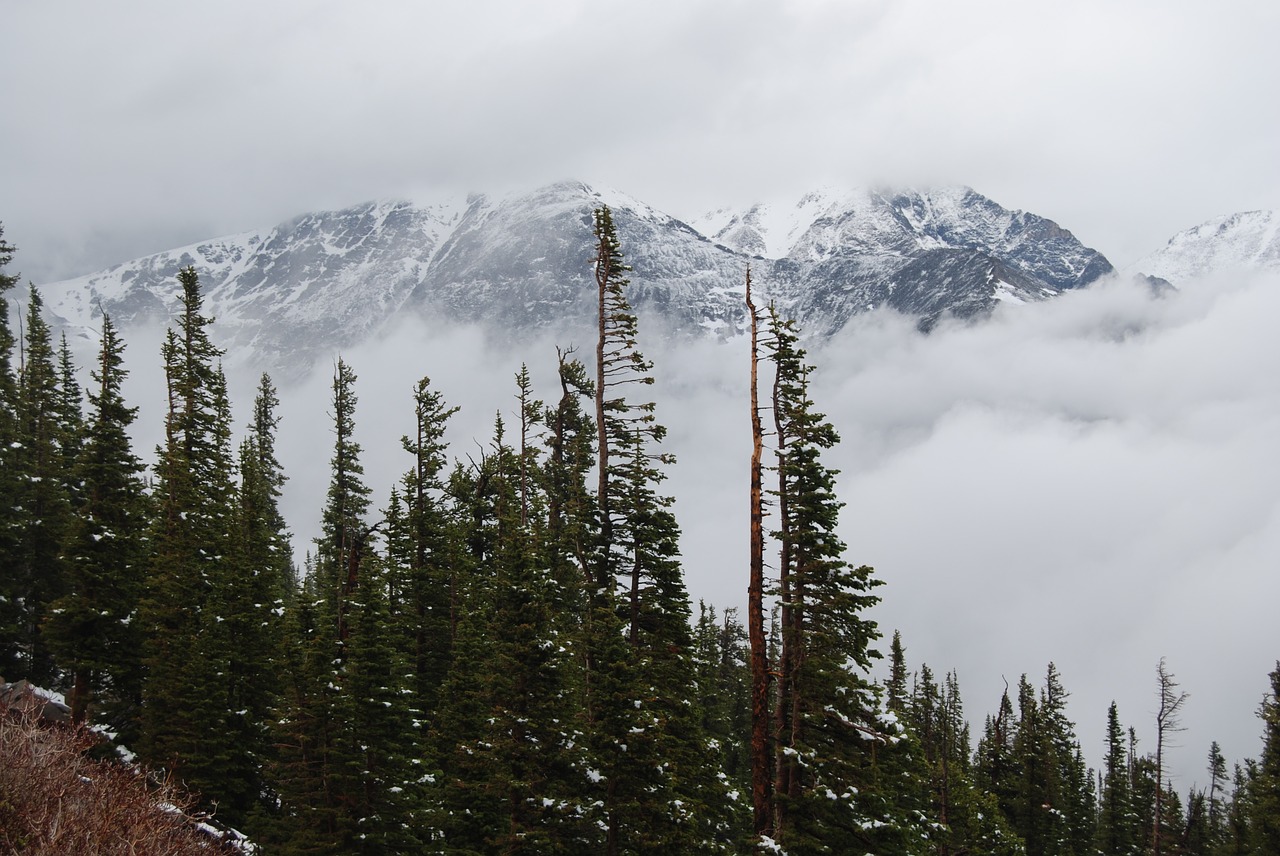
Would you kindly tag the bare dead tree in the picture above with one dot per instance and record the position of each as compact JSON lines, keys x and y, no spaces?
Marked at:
{"x":1167,"y":722}
{"x":761,"y":773}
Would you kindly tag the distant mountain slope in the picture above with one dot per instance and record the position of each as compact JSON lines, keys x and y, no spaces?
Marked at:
{"x":322,"y":282}
{"x":1249,"y":240}
{"x":923,"y":253}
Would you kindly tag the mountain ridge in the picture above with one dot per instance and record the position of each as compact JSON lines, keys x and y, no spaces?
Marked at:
{"x":1246,"y":240}
{"x":521,"y":262}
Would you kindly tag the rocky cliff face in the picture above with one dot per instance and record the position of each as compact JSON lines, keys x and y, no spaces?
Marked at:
{"x":287,"y":296}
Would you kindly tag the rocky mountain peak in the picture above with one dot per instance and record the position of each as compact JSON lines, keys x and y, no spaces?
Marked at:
{"x":287,"y":296}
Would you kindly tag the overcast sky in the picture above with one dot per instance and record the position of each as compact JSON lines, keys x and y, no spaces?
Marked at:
{"x":1092,"y":481}
{"x":130,"y":128}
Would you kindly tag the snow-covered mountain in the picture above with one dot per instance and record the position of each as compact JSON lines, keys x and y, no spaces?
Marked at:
{"x":1249,"y":240}
{"x":924,"y":253}
{"x":287,"y":296}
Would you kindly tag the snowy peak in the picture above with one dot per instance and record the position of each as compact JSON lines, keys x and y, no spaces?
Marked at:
{"x":771,"y":230}
{"x":1249,"y":240}
{"x":521,"y":261}
{"x":895,"y":225}
{"x":329,"y":277}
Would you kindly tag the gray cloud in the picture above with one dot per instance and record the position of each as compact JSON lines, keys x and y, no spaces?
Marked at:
{"x":135,"y":130}
{"x":1090,"y":481}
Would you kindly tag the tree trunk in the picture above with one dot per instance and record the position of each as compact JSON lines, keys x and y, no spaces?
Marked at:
{"x":602,"y":434}
{"x":761,"y":757}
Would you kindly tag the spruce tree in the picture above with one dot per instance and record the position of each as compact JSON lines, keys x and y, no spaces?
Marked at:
{"x":1053,"y":803}
{"x":572,"y":517}
{"x":70,"y":416}
{"x":347,"y":775}
{"x":42,"y":497}
{"x":425,"y":584}
{"x":515,"y":769}
{"x":829,"y":796}
{"x":658,"y":792}
{"x":191,"y":569}
{"x":1117,"y":834}
{"x":723,"y":683}
{"x":251,"y":608}
{"x":92,"y":628}
{"x":12,"y":587}
{"x":1215,"y":800}
{"x":995,"y":764}
{"x":1264,"y":789}
{"x":896,"y":689}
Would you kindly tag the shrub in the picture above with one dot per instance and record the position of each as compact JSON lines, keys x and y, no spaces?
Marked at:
{"x":56,"y":800}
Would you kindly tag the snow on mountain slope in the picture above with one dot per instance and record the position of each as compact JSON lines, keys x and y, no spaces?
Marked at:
{"x":318,"y":282}
{"x":288,"y":296}
{"x":1249,"y":240}
{"x":897,"y":224}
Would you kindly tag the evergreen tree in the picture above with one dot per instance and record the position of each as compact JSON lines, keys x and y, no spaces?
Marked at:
{"x":936,"y":755}
{"x":828,"y":793}
{"x":424,"y":588}
{"x":92,"y":628}
{"x":1215,"y":800}
{"x":1118,"y":834}
{"x":1238,"y":832}
{"x":659,"y":791}
{"x":12,"y":587}
{"x":1264,"y":788}
{"x":1142,"y":790}
{"x":896,"y":689}
{"x":70,"y":416}
{"x":42,"y":498}
{"x":1196,"y":838}
{"x":572,"y":517}
{"x":1054,"y":802}
{"x":995,"y":764}
{"x":262,"y":478}
{"x":251,"y":610}
{"x":514,"y":764}
{"x":723,"y":685}
{"x":191,"y":569}
{"x":378,"y":746}
{"x":347,"y":774}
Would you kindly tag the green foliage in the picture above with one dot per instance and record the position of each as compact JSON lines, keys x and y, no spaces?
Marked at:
{"x":92,"y":628}
{"x":1264,"y":789}
{"x":41,"y":500}
{"x":423,"y":585}
{"x":1119,"y":828}
{"x":830,"y":794}
{"x":193,"y":604}
{"x":12,"y":588}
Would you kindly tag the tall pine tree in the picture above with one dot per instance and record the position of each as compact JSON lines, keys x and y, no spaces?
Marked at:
{"x":42,"y":497}
{"x":92,"y":628}
{"x":828,"y":792}
{"x":12,"y":587}
{"x":186,"y":700}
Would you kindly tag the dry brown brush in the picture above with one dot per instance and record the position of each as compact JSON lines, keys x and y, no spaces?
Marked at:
{"x":55,"y":800}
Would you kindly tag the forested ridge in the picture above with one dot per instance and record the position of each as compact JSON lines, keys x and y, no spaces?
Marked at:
{"x":500,"y":655}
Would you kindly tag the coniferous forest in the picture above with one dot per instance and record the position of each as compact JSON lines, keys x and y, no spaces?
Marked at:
{"x":500,"y":655}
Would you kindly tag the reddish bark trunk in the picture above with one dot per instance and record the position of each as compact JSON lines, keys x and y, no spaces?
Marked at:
{"x":761,"y":756}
